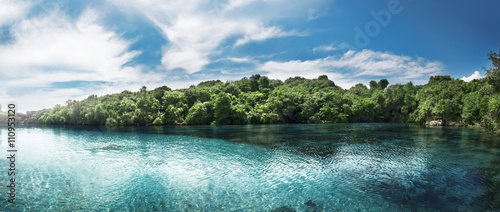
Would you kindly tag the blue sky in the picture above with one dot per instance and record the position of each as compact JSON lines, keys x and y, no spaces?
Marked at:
{"x":55,"y":50}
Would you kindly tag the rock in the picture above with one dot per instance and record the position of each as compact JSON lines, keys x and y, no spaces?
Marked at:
{"x":112,"y":147}
{"x":310,"y":203}
{"x":435,"y":123}
{"x":283,"y":209}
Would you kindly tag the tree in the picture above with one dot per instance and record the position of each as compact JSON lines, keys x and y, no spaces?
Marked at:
{"x":232,"y":89}
{"x":159,"y":92}
{"x":200,"y":113}
{"x":294,"y":80}
{"x":195,"y":94}
{"x":147,"y":110}
{"x":441,"y":99}
{"x":360,"y":90}
{"x":210,"y":83}
{"x":492,"y":120}
{"x":472,"y":108}
{"x":394,"y":102}
{"x":382,"y":84}
{"x":439,"y":78}
{"x":222,"y":108}
{"x":493,"y":72}
{"x":254,"y":82}
{"x":126,"y":110}
{"x":326,"y":108}
{"x":373,"y":85}
{"x":410,"y":102}
{"x":240,"y":114}
{"x":100,"y":115}
{"x":143,"y":90}
{"x":323,"y":77}
{"x":263,"y":83}
{"x":243,"y":84}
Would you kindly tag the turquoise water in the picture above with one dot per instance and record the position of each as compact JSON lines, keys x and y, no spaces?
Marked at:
{"x":330,"y":167}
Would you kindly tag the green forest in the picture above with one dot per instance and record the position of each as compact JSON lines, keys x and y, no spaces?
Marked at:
{"x":260,"y":100}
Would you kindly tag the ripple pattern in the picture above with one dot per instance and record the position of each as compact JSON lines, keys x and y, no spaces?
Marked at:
{"x":340,"y":169}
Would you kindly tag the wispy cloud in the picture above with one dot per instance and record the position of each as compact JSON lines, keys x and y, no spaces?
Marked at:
{"x":475,"y":75}
{"x":260,"y":33}
{"x":12,"y":10}
{"x":66,"y":50}
{"x":353,"y":67}
{"x":234,"y":4}
{"x":195,"y":29}
{"x":315,"y":14}
{"x":373,"y":63}
{"x":325,"y":48}
{"x":240,"y":59}
{"x":56,"y":48}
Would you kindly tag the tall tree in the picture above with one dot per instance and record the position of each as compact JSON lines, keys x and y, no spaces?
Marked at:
{"x":493,"y":72}
{"x":382,"y":84}
{"x":222,"y":108}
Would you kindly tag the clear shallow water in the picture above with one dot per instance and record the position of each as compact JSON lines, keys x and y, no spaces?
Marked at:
{"x":339,"y":167}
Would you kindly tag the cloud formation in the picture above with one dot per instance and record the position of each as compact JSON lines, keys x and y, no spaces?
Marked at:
{"x":12,"y":10}
{"x":55,"y":48}
{"x":195,"y":28}
{"x":475,"y":75}
{"x":373,"y":63}
{"x":354,"y":67}
{"x":325,"y":48}
{"x":314,"y":14}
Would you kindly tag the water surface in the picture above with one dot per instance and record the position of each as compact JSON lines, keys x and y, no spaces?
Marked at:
{"x":331,"y":167}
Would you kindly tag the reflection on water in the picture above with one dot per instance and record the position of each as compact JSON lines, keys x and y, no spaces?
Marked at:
{"x":330,"y":167}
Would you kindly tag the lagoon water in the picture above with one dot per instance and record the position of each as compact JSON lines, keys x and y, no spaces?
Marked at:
{"x":314,"y":167}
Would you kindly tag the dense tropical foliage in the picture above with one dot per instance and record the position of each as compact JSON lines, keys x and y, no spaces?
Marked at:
{"x":260,"y":100}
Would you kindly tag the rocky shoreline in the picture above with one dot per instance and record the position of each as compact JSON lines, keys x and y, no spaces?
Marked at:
{"x":441,"y":123}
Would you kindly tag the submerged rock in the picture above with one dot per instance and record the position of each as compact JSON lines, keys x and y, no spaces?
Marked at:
{"x":283,"y":209}
{"x":112,"y":147}
{"x":310,"y":203}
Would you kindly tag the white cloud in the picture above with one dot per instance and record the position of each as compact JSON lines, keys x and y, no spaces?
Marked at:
{"x":11,"y":10}
{"x":372,"y":63}
{"x":475,"y":75}
{"x":354,"y":67}
{"x":55,"y":48}
{"x":325,"y":48}
{"x":195,"y":28}
{"x":240,"y":59}
{"x":315,"y":14}
{"x":235,"y":4}
{"x":260,"y":33}
{"x":67,"y":50}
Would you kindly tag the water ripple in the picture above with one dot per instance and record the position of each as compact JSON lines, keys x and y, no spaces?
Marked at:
{"x":66,"y":170}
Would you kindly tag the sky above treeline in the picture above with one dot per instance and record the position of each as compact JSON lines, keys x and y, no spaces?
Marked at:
{"x":55,"y":50}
